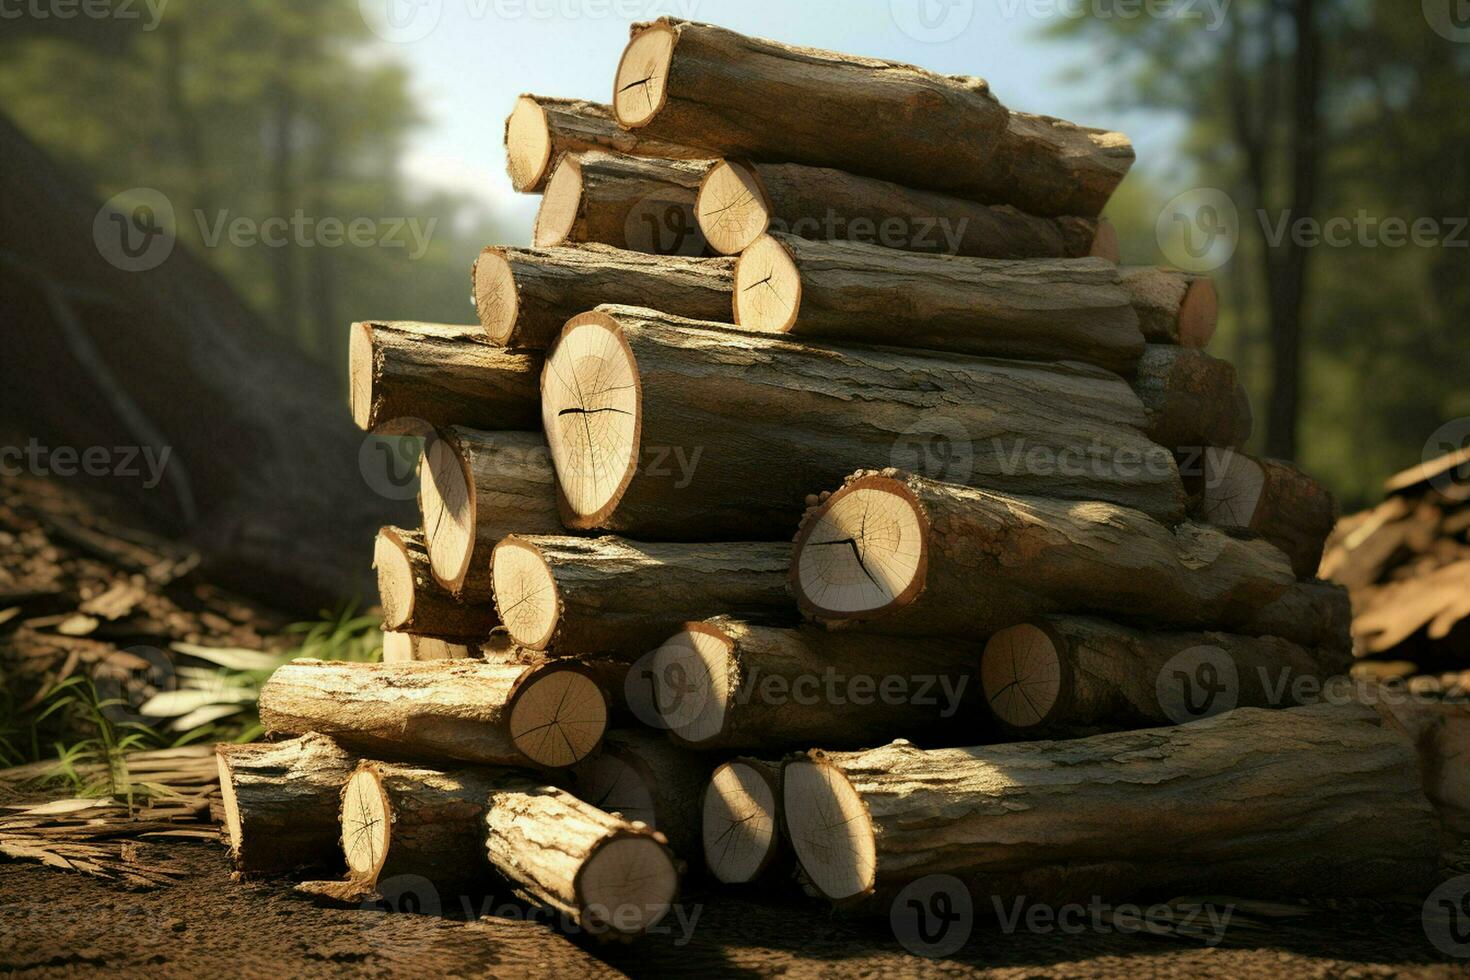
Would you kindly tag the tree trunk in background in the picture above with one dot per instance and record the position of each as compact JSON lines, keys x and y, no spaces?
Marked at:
{"x":283,"y":256}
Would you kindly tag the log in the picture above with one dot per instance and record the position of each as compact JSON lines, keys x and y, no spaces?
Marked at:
{"x":1174,"y":307}
{"x":540,"y":130}
{"x":746,"y":97}
{"x":477,"y":487}
{"x":643,"y":777}
{"x":548,"y":715}
{"x":635,"y":203}
{"x":729,"y":684}
{"x":849,"y":292}
{"x":1073,"y":675}
{"x":1321,"y":801}
{"x":610,"y":595}
{"x":1309,"y":613}
{"x":1274,"y":499}
{"x":743,"y":839}
{"x":900,"y":554}
{"x":664,"y":429}
{"x":407,"y":377}
{"x":403,"y":647}
{"x":524,"y":297}
{"x":1441,"y":731}
{"x":412,"y":600}
{"x":281,"y":800}
{"x":1192,"y":400}
{"x":739,"y":201}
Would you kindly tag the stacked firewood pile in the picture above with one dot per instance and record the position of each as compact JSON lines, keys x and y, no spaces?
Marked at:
{"x":605,"y":646}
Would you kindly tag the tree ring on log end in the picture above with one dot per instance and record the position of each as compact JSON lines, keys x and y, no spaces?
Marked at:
{"x":525,"y":593}
{"x":692,"y":682}
{"x":739,"y":823}
{"x":527,"y":144}
{"x":561,"y":202}
{"x":628,"y":883}
{"x":395,"y":579}
{"x":360,"y":374}
{"x":1021,"y":671}
{"x":1233,"y":486}
{"x":497,"y":303}
{"x":830,"y":829}
{"x":367,"y":825}
{"x":557,"y":716}
{"x":447,"y":497}
{"x":732,"y":207}
{"x":863,"y":552}
{"x":591,"y":403}
{"x":615,"y":785}
{"x":640,"y":87}
{"x":767,"y":287}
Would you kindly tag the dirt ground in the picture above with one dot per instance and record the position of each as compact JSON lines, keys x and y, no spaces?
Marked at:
{"x":54,"y":923}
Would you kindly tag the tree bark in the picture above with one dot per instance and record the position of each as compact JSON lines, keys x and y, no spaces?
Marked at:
{"x":900,"y":554}
{"x":1173,"y":307}
{"x":1310,"y":613}
{"x":644,"y":778}
{"x":1074,"y":675}
{"x":281,"y":802}
{"x":485,"y":712}
{"x":733,"y":95}
{"x":1192,"y":400}
{"x":1274,"y":499}
{"x":1320,"y":801}
{"x":609,"y":595}
{"x":541,"y":130}
{"x":847,"y":292}
{"x":406,"y":377}
{"x":412,"y":601}
{"x":729,"y":684}
{"x":743,"y":837}
{"x":664,"y":429}
{"x":634,"y":203}
{"x":740,"y":201}
{"x":524,"y":297}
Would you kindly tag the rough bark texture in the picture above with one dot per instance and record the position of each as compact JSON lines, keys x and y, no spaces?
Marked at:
{"x":1274,"y":499}
{"x":1174,"y":307}
{"x":1309,"y":613}
{"x":734,"y":95}
{"x":722,"y":405}
{"x":404,"y":374}
{"x":1048,"y":310}
{"x":415,"y":602}
{"x":626,"y":597}
{"x":575,"y":126}
{"x":1441,"y":730}
{"x":737,"y":205}
{"x":636,"y":203}
{"x":641,"y":776}
{"x":989,"y":560}
{"x":1318,"y":801}
{"x":525,"y":296}
{"x":1191,"y":399}
{"x":281,"y":802}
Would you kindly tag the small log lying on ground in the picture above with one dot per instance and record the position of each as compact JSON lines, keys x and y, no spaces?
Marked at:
{"x":1193,"y":400}
{"x":1315,"y":801}
{"x":726,"y":683}
{"x":1273,"y":498}
{"x":610,"y":595}
{"x":1064,"y":674}
{"x":403,"y":376}
{"x":540,"y":130}
{"x":401,"y":647}
{"x":281,"y":802}
{"x":713,"y":88}
{"x":740,"y":201}
{"x":412,"y":600}
{"x":1309,"y":613}
{"x":635,"y":203}
{"x":546,"y":715}
{"x":524,"y":297}
{"x":1441,"y":730}
{"x":741,"y":821}
{"x":477,"y":487}
{"x":848,"y":292}
{"x":897,"y":553}
{"x":643,"y":777}
{"x":663,"y":428}
{"x":1173,"y":307}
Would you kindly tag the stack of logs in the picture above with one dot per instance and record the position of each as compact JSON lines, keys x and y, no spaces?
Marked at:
{"x":761,"y":269}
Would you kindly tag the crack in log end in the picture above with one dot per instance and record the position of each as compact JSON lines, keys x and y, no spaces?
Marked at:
{"x":861,"y":552}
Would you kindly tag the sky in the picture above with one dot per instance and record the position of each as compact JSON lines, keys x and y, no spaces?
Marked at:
{"x":469,"y":60}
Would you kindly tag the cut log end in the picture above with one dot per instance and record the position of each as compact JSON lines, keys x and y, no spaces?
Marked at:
{"x":1105,"y":242}
{"x":525,"y":593}
{"x":692,"y":678}
{"x":739,"y":823}
{"x":395,"y":579}
{"x":366,"y":825}
{"x":1199,"y":313}
{"x":614,"y":786}
{"x":447,"y":496}
{"x":558,"y":717}
{"x":1233,"y":485}
{"x":360,"y":375}
{"x":560,"y":204}
{"x":497,"y":303}
{"x":1021,"y":671}
{"x":862,"y":552}
{"x":640,"y":87}
{"x":767,"y":287}
{"x":732,"y":208}
{"x":590,"y":404}
{"x":527,"y":145}
{"x":234,"y":827}
{"x":628,"y":884}
{"x":830,"y":830}
{"x":397,"y":647}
